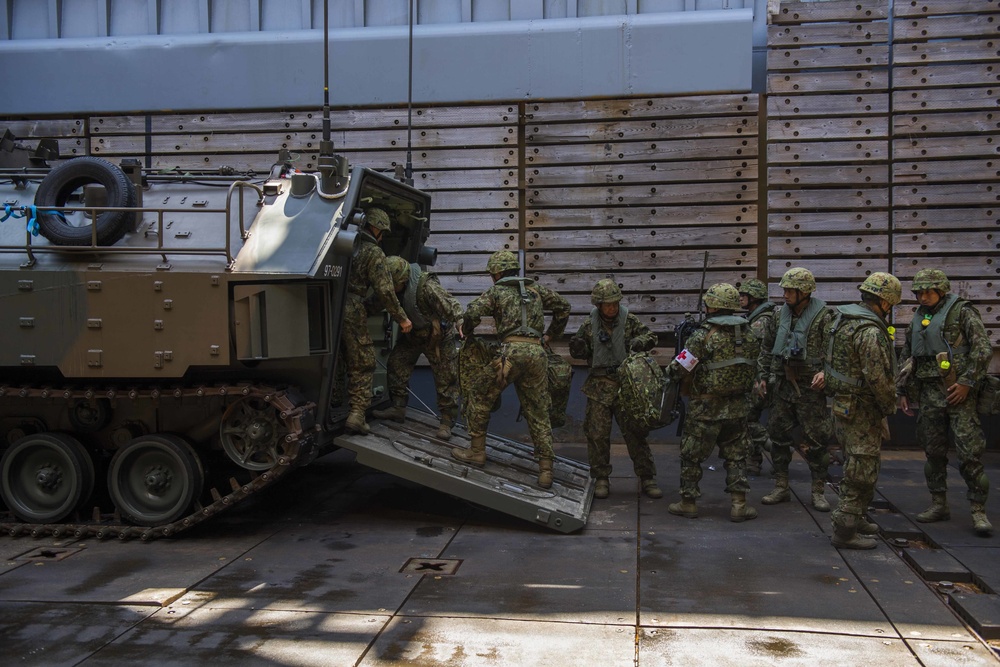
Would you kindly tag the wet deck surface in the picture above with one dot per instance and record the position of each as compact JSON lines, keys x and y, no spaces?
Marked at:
{"x":341,"y":565}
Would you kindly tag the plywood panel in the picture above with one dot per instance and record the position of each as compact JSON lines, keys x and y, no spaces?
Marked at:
{"x":971,"y":122}
{"x":917,"y":148}
{"x":64,"y":128}
{"x":644,"y":195}
{"x":827,"y":57}
{"x":945,"y":99}
{"x":659,"y":216}
{"x":711,"y":237}
{"x":686,"y":149}
{"x":942,"y":27}
{"x":940,"y":243}
{"x":812,"y":34}
{"x":930,"y":7}
{"x":863,"y":221}
{"x":946,"y":218}
{"x":640,"y":130}
{"x":920,"y":53}
{"x":864,"y":175}
{"x":809,"y":246}
{"x":832,"y":268}
{"x":936,"y":76}
{"x":643,"y":172}
{"x":791,"y":129}
{"x":859,"y":81}
{"x":946,"y":195}
{"x":820,"y":152}
{"x":833,"y":10}
{"x":830,"y":198}
{"x":606,"y":259}
{"x":946,"y":171}
{"x":846,"y":104}
{"x":661,"y":107}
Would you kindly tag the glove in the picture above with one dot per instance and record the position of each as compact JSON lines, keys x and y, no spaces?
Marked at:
{"x":637,"y":345}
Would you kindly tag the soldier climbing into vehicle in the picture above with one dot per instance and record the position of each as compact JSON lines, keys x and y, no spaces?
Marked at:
{"x":605,"y":340}
{"x":517,"y":306}
{"x":760,"y":313}
{"x":368,"y":271}
{"x":717,"y":370}
{"x":435,"y":315}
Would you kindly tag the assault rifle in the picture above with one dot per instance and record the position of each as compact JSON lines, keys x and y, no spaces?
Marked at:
{"x":682,"y":332}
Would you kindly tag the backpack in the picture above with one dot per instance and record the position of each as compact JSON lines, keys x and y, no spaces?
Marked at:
{"x":560,"y":376}
{"x":646,"y":396}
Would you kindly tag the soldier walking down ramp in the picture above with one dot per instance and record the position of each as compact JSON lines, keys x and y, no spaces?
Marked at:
{"x":517,"y":305}
{"x":368,"y":270}
{"x":789,"y":367}
{"x":434,"y":312}
{"x":717,"y":368}
{"x":946,"y":356}
{"x":859,"y":373}
{"x":760,"y":313}
{"x":604,"y":340}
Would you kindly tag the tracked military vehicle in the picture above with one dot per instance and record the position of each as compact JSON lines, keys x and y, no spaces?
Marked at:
{"x":158,"y":328}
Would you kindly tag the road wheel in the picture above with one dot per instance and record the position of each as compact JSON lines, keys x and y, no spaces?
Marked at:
{"x":45,"y":477}
{"x":154,"y":479}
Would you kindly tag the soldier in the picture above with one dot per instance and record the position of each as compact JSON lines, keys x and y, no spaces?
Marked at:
{"x":790,"y":368}
{"x":760,"y":313}
{"x":717,"y":371}
{"x":516,"y":305}
{"x":433,"y":312}
{"x":949,"y":353}
{"x":605,"y":340}
{"x":368,"y":270}
{"x":859,"y":374}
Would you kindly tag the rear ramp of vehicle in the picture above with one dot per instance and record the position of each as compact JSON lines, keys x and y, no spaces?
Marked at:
{"x":507,"y":483}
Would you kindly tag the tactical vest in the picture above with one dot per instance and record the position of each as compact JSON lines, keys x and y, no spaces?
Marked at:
{"x":409,"y":299}
{"x":790,"y":342}
{"x":608,"y":356}
{"x":842,"y":366}
{"x":729,"y":372}
{"x":941,"y":333}
{"x":760,"y":311}
{"x":527,"y":296}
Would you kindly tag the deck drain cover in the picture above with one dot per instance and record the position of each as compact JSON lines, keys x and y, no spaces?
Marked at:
{"x":49,"y":553}
{"x":431,"y":566}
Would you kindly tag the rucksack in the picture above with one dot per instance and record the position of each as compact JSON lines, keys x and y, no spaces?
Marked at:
{"x":646,"y":396}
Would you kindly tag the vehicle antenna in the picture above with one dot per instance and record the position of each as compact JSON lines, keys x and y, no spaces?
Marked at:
{"x":332,"y":168}
{"x":408,"y":173}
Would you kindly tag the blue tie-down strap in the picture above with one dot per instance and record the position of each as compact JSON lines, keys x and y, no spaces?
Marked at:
{"x":29,"y":212}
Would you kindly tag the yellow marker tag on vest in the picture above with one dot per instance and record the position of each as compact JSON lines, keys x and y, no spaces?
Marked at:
{"x":926,"y":321}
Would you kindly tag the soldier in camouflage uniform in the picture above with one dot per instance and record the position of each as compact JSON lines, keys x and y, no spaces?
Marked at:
{"x":368,"y":270}
{"x":604,"y":340}
{"x":790,"y":369}
{"x":717,"y":370}
{"x":517,"y":306}
{"x":948,"y":352}
{"x":859,"y":373}
{"x":760,"y":313}
{"x":433,"y":312}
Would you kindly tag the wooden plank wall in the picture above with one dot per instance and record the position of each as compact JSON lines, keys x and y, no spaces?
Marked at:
{"x":886,"y":161}
{"x":945,"y":144}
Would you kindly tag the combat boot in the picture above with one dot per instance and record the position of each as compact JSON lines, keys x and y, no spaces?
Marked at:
{"x":740,"y":511}
{"x":780,"y":494}
{"x":396,"y":413}
{"x":938,"y":511}
{"x":476,"y":453}
{"x":981,"y":524}
{"x":685,"y":508}
{"x":650,"y":488}
{"x":356,"y":423}
{"x":444,"y":430}
{"x":602,"y":488}
{"x":819,"y":502}
{"x":846,"y":536}
{"x":866,"y":527}
{"x":545,"y":472}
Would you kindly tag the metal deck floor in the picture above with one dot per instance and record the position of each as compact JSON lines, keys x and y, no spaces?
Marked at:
{"x":342,"y":565}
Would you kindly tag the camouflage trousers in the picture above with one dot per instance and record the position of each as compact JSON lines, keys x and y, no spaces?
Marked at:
{"x":597,"y":427}
{"x":860,"y":435}
{"x":933,"y":421}
{"x":443,"y":359}
{"x":359,"y":349}
{"x":700,"y":439}
{"x":808,"y":410}
{"x":760,"y":441}
{"x":529,"y":375}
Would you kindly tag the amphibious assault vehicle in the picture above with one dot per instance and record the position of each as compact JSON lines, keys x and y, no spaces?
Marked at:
{"x":157,"y":327}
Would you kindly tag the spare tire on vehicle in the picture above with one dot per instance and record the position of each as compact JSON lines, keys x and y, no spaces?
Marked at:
{"x":68,"y":177}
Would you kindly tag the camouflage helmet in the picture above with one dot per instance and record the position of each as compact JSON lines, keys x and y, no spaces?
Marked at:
{"x":883,"y":285}
{"x":605,"y":291}
{"x":723,"y":296}
{"x":377,"y":218}
{"x":931,"y":279}
{"x":754,"y":289}
{"x":501,"y":261}
{"x":800,"y":279}
{"x":399,"y":269}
